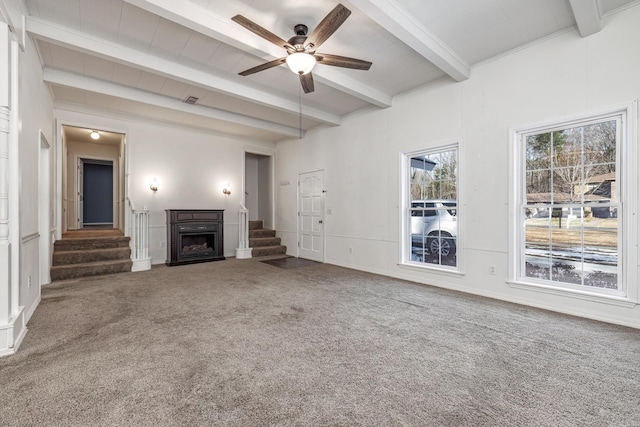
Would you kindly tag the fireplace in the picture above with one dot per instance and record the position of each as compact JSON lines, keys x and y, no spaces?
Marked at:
{"x":194,"y":235}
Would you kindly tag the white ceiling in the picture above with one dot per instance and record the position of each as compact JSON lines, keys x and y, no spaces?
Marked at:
{"x":73,"y":133}
{"x":142,"y":58}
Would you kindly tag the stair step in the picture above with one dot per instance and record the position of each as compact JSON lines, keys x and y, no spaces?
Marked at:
{"x":75,"y":257}
{"x":84,"y":256}
{"x":264,"y":241}
{"x":74,"y":271}
{"x":90,"y":243}
{"x":269,"y":250}
{"x":256,"y":225}
{"x":261,"y":233}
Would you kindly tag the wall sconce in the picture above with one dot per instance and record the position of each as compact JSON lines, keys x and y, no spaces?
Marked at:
{"x":227,"y":189}
{"x":95,"y":135}
{"x":154,"y":185}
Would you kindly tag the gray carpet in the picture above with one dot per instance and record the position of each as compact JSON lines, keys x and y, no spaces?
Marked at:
{"x":243,"y":343}
{"x":289,"y":262}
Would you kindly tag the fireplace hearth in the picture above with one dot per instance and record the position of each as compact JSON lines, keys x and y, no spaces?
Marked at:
{"x":194,"y":235}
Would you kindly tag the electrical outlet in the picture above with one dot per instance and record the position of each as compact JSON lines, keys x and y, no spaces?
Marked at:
{"x":350,"y":250}
{"x":492,"y":269}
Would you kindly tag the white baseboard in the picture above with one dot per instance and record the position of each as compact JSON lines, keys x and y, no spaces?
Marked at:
{"x":141,"y":265}
{"x":243,"y":253}
{"x":32,"y":309}
{"x":13,"y":333}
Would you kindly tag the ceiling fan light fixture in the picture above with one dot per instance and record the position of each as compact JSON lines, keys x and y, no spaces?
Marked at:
{"x":301,"y":49}
{"x":301,"y":62}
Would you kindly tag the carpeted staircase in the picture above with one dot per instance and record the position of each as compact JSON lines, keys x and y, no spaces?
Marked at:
{"x":90,"y":254}
{"x":263,"y":241}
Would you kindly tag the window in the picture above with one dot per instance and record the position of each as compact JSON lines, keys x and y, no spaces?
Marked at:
{"x":570,"y":205}
{"x":431,"y":214}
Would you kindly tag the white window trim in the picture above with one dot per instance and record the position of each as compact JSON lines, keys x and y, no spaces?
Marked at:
{"x":405,"y":197}
{"x":628,"y":165}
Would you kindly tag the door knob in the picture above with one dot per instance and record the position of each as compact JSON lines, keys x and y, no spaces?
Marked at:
{"x":320,"y":222}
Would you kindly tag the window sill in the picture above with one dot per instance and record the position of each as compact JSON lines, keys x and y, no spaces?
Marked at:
{"x":574,"y":293}
{"x":431,"y":269}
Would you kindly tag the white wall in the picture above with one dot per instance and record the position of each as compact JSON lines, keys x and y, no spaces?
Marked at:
{"x":191,"y":167}
{"x":31,"y":113}
{"x":35,"y":115}
{"x":564,"y":75}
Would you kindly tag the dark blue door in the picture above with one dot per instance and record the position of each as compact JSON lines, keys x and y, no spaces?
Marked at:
{"x":98,"y":192}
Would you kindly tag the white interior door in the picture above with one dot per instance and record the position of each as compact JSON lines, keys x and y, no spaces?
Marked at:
{"x":80,"y":197}
{"x":310,"y":215}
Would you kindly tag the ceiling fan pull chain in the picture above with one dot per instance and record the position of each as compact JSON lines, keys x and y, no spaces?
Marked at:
{"x":300,"y":103}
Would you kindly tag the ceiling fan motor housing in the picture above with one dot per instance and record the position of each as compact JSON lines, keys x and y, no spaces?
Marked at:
{"x":300,"y":30}
{"x":298,"y":40}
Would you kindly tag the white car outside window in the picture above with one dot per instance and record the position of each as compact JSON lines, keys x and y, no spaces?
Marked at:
{"x":434,"y":227}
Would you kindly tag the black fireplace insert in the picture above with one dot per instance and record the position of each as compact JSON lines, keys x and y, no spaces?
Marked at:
{"x":194,"y":236}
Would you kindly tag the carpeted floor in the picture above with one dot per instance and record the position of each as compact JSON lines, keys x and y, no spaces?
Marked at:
{"x":289,"y":262}
{"x":91,"y":232}
{"x":244,"y":343}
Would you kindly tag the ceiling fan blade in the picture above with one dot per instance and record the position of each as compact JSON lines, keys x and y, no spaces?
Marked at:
{"x":306,"y":80}
{"x":342,"y":61}
{"x":262,"y":32}
{"x":264,"y":66}
{"x":327,"y":26}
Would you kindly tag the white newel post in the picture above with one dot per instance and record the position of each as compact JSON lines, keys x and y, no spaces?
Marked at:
{"x":243,"y":251}
{"x":140,"y":239}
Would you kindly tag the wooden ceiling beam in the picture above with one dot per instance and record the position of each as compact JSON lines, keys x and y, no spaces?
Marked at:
{"x":587,"y":16}
{"x":394,"y":19}
{"x":82,"y":42}
{"x":207,"y":22}
{"x":63,"y":78}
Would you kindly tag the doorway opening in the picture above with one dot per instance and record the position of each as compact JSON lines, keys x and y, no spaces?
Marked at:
{"x":96,"y":194}
{"x":93,"y":182}
{"x":258,"y":187}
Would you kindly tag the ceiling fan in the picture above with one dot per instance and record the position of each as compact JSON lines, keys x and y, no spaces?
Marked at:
{"x":301,"y":49}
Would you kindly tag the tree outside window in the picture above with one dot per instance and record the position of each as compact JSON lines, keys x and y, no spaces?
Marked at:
{"x":571,"y":204}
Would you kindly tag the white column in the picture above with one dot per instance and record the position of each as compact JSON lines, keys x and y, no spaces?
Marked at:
{"x":5,"y":276}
